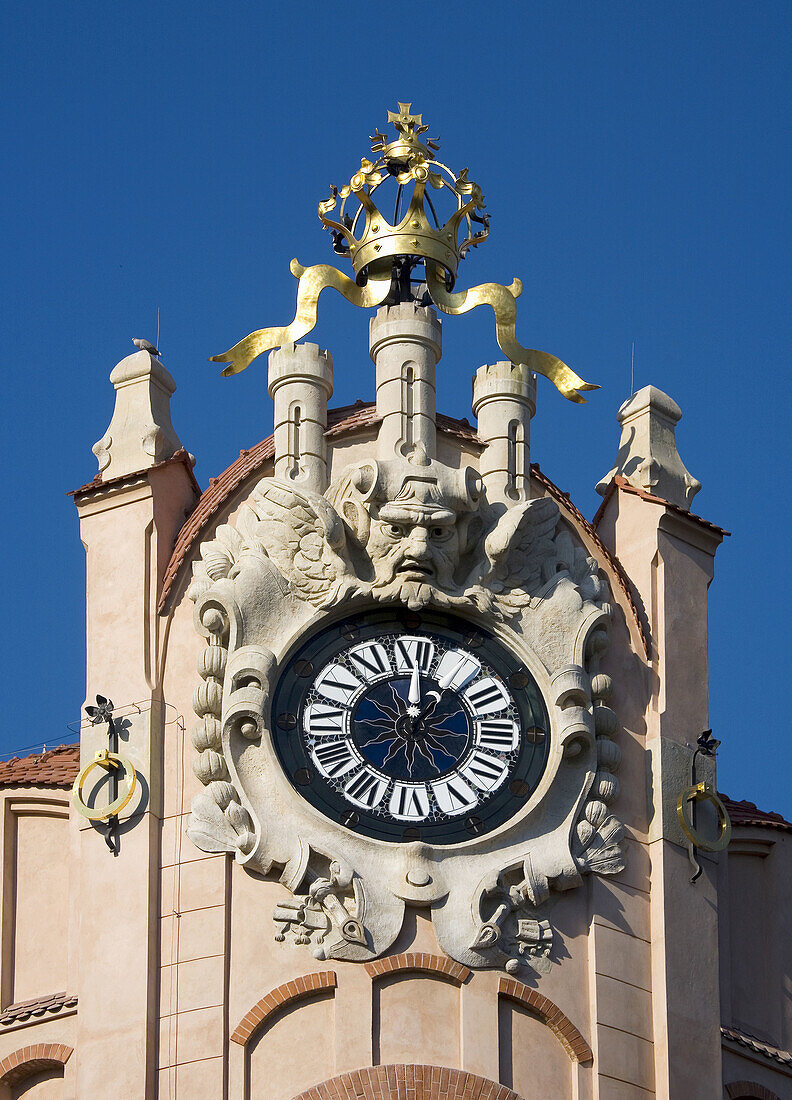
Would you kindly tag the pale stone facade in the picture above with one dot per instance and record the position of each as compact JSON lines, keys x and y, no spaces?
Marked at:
{"x":238,"y":944}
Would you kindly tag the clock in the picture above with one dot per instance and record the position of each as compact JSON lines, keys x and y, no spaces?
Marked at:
{"x":405,"y":727}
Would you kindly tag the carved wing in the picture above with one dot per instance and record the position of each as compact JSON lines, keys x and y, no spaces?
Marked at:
{"x":519,"y":549}
{"x":304,"y":537}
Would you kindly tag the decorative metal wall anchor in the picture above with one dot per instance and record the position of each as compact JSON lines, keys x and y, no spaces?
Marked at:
{"x":385,"y":254}
{"x":109,"y":761}
{"x":691,"y":797}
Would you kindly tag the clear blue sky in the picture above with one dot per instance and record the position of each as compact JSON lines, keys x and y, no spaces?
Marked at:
{"x":635,"y":160}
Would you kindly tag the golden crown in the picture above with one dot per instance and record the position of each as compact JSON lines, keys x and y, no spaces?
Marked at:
{"x":362,"y":232}
{"x":384,"y":253}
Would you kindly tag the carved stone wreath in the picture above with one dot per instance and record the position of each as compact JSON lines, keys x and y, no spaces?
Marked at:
{"x":296,"y":558}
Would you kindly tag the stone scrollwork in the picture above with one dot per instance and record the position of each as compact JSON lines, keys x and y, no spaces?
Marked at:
{"x":512,"y":932}
{"x":324,"y":917}
{"x":294,"y":554}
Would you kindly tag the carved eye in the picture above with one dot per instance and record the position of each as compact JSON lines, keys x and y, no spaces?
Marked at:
{"x":440,"y":533}
{"x":395,"y":530}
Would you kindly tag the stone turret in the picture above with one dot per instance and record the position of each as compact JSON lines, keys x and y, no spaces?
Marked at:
{"x":140,"y":433}
{"x":405,"y":343}
{"x":300,"y":384}
{"x":648,"y":457}
{"x":504,"y":401}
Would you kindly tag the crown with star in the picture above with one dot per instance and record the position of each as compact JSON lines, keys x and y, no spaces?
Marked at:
{"x":362,"y":232}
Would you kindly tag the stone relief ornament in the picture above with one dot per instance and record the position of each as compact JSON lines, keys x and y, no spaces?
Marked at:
{"x":410,"y":534}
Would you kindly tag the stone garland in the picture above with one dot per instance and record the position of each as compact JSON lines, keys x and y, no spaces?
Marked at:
{"x":220,"y":806}
{"x":599,"y":833}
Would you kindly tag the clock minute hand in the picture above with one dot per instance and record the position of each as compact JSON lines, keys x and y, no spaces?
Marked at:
{"x":414,"y":694}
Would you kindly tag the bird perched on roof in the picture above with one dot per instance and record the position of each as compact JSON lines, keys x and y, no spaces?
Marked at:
{"x":145,"y":345}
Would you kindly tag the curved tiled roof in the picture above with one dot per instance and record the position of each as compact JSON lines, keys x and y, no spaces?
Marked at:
{"x":758,"y":1046}
{"x":619,"y":482}
{"x":57,"y":767}
{"x":345,"y":421}
{"x":748,"y":813}
{"x":563,"y":501}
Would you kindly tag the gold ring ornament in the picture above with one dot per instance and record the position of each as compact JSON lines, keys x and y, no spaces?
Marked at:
{"x":703,"y":792}
{"x":109,"y":761}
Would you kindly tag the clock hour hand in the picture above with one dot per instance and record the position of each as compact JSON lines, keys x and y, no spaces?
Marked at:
{"x":444,"y":683}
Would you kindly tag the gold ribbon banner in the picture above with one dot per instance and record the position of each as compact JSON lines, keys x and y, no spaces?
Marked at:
{"x":313,"y":280}
{"x":503,"y":302}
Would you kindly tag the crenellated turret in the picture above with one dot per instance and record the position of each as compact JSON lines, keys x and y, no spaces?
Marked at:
{"x":405,"y":342}
{"x":504,"y":401}
{"x":300,"y":384}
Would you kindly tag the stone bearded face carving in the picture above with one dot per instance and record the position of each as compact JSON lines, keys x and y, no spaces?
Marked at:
{"x":411,"y":547}
{"x":412,"y":521}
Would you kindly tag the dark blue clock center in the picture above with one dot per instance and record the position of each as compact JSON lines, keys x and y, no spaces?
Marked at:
{"x":407,"y":742}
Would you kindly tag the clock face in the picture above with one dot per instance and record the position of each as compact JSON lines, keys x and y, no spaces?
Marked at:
{"x":405,"y":727}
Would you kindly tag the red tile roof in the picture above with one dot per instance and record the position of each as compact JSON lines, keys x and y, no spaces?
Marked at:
{"x":38,"y":1006}
{"x":345,"y":421}
{"x":747,"y":813}
{"x":625,"y":486}
{"x":342,"y":421}
{"x":55,"y":768}
{"x":99,"y":483}
{"x":758,"y":1046}
{"x":563,"y":501}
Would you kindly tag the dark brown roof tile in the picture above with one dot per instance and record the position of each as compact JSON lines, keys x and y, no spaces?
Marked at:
{"x":38,"y":1006}
{"x":57,"y":767}
{"x":748,"y":813}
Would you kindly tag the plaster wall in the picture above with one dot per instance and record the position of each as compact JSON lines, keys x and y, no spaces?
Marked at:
{"x":48,"y":1085}
{"x":36,"y":879}
{"x":219,"y":957}
{"x":755,"y":888}
{"x":198,"y":953}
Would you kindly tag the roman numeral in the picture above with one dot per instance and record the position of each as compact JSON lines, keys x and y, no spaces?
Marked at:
{"x":486,"y":696}
{"x":366,"y":789}
{"x":409,"y":803}
{"x":413,"y":651}
{"x":334,"y":758}
{"x":338,"y":683}
{"x":321,"y":720}
{"x":455,"y":669}
{"x":498,"y":734}
{"x":371,"y":661}
{"x":484,"y":770}
{"x":454,"y":795}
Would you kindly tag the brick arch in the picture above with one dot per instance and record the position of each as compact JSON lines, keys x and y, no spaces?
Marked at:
{"x":409,"y":1082}
{"x":549,"y":1013}
{"x":439,"y":965}
{"x":749,"y":1090}
{"x":28,"y":1061}
{"x":307,"y":985}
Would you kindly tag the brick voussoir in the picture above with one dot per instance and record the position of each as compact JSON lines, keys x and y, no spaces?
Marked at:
{"x":305,"y":985}
{"x":420,"y":961}
{"x":557,"y":1020}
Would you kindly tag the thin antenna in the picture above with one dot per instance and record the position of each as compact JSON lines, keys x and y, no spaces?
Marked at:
{"x":156,"y":342}
{"x":631,"y":363}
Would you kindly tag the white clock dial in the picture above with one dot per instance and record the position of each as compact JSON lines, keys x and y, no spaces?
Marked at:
{"x":408,"y":730}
